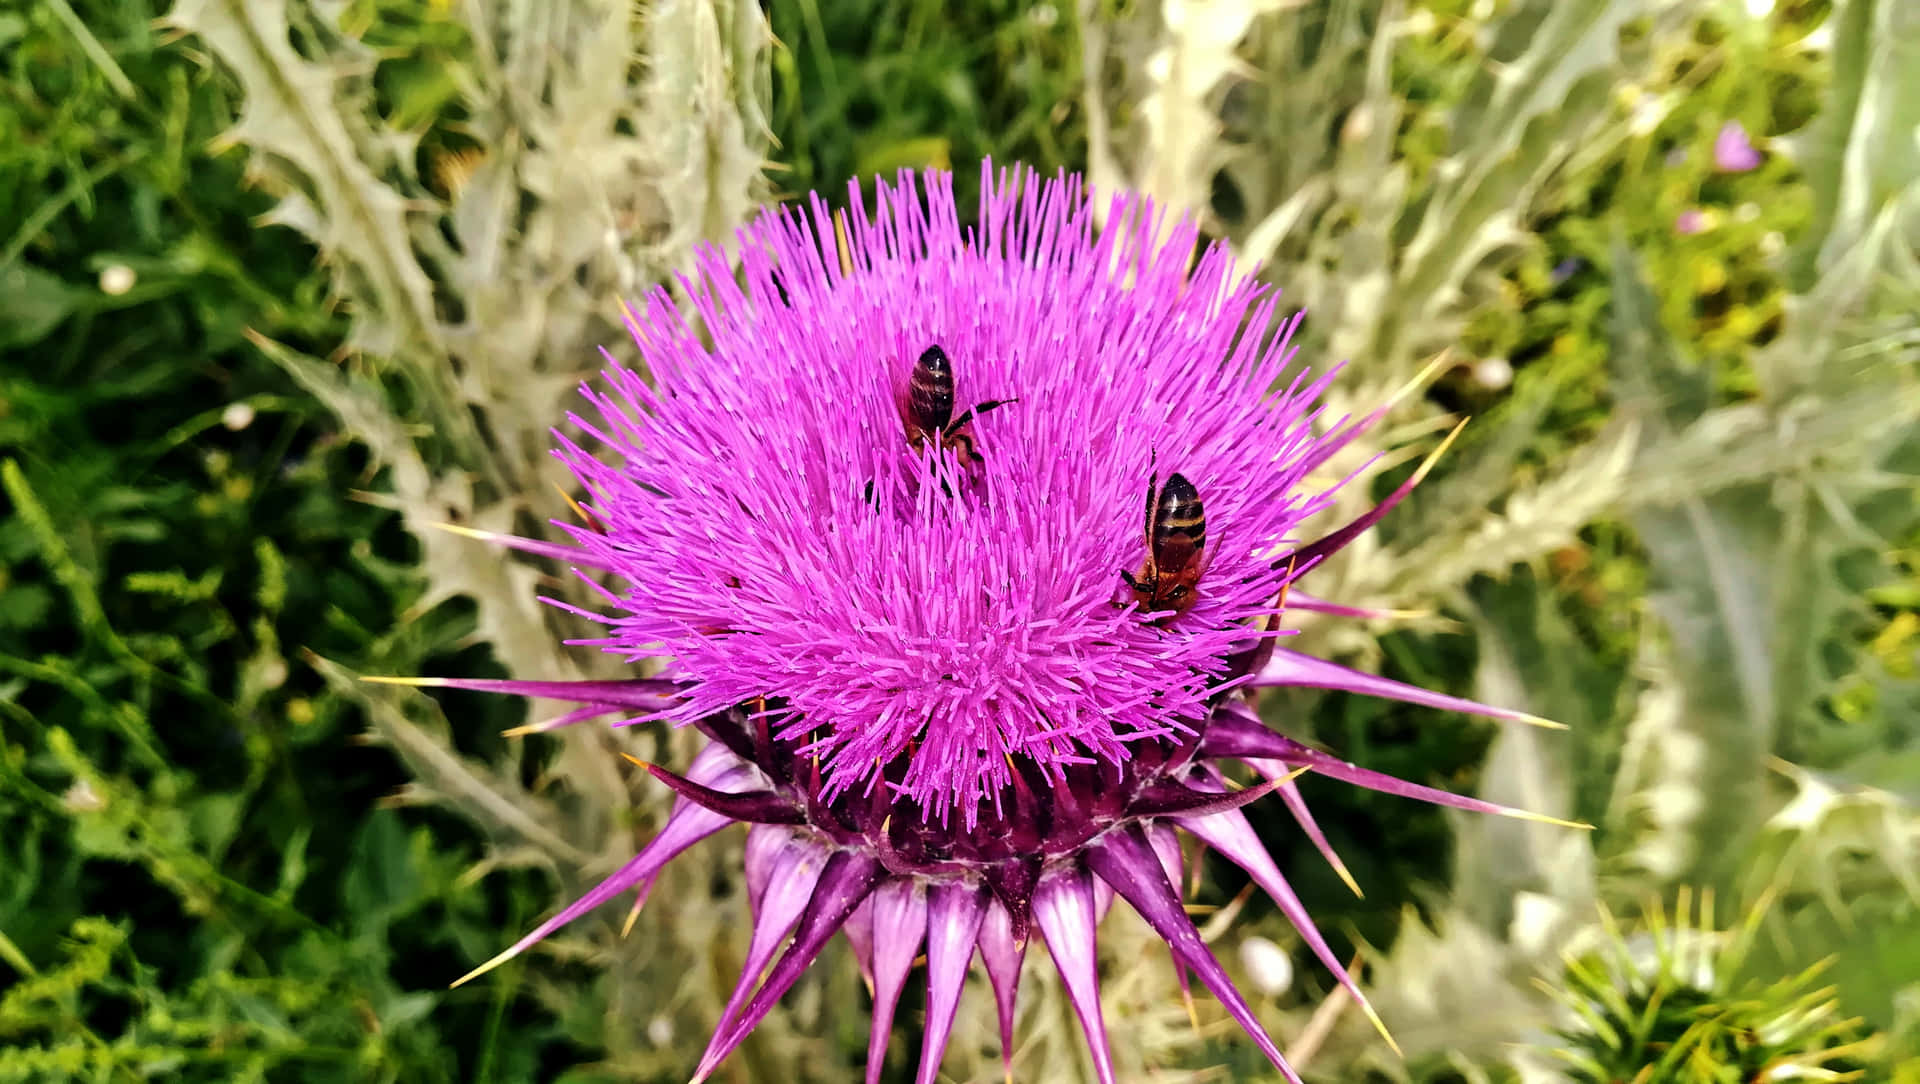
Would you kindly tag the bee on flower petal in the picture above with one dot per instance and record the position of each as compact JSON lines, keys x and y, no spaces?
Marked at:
{"x":930,"y":399}
{"x":1176,"y":539}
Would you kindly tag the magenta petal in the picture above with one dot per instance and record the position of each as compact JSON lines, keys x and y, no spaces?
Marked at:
{"x":787,"y":887}
{"x":955,"y":911}
{"x":848,"y":878}
{"x":1002,"y":956}
{"x":1294,"y":669}
{"x":899,"y":910}
{"x":1125,"y":860}
{"x":1063,"y":909}
{"x":1231,"y":835}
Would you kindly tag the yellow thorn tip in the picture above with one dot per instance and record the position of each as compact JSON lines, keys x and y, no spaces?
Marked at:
{"x":411,"y":682}
{"x":1542,"y":818}
{"x":1346,"y":877}
{"x":1537,"y":720}
{"x":1380,"y":1026}
{"x":482,"y":969}
{"x":1424,"y":377}
{"x":1433,"y":457}
{"x":465,"y":532}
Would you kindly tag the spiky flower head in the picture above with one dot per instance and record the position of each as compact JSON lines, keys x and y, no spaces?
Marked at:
{"x":1674,"y":1001}
{"x":966,"y":549}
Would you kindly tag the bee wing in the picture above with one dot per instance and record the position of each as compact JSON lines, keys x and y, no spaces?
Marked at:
{"x":1153,"y":494}
{"x":1207,"y":549}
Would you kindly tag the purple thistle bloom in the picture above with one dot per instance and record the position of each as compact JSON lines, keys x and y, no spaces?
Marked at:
{"x":1733,"y":152}
{"x":887,"y":585}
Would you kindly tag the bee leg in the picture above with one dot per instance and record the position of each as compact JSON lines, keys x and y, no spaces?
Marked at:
{"x":977,"y":410}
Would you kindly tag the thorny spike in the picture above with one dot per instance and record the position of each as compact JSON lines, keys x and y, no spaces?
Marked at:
{"x":955,"y":912}
{"x":899,"y":909}
{"x":1311,"y":553}
{"x":569,"y":554}
{"x":847,"y":880}
{"x":686,"y":825}
{"x":1002,"y":956}
{"x":1291,"y":668}
{"x":1232,"y":835}
{"x":749,"y":807}
{"x":1124,"y":860}
{"x":593,"y":523}
{"x":1296,"y":804}
{"x":1063,"y":909}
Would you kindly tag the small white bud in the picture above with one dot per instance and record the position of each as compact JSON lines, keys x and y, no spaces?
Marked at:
{"x":237,"y":416}
{"x":660,"y":1031}
{"x":1267,"y":965}
{"x":1493,"y":374}
{"x":82,"y":798}
{"x":117,"y":279}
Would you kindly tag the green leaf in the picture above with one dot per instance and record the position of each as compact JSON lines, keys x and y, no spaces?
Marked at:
{"x":33,"y":303}
{"x":1862,"y":152}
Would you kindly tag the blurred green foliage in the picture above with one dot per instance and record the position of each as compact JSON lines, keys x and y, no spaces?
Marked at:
{"x":200,"y":880}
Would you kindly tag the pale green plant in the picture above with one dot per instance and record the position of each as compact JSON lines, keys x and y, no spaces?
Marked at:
{"x":1747,"y":510}
{"x":585,"y":147}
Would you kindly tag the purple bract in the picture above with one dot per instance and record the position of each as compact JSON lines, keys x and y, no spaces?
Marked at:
{"x":905,"y":631}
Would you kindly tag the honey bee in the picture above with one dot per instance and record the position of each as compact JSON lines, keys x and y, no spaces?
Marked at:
{"x":930,"y":408}
{"x":1176,"y":536}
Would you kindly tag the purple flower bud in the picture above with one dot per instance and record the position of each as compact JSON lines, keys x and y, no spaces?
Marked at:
{"x":1692,"y":220}
{"x":1733,"y":152}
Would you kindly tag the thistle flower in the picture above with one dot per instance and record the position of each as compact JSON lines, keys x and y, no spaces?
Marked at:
{"x":966,"y":550}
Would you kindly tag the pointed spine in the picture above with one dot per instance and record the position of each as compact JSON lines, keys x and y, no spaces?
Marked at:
{"x":1063,"y":909}
{"x":847,"y":880}
{"x":1125,"y":860}
{"x":954,"y":913}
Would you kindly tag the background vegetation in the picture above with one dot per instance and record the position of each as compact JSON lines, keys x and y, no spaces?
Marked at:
{"x":283,"y":283}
